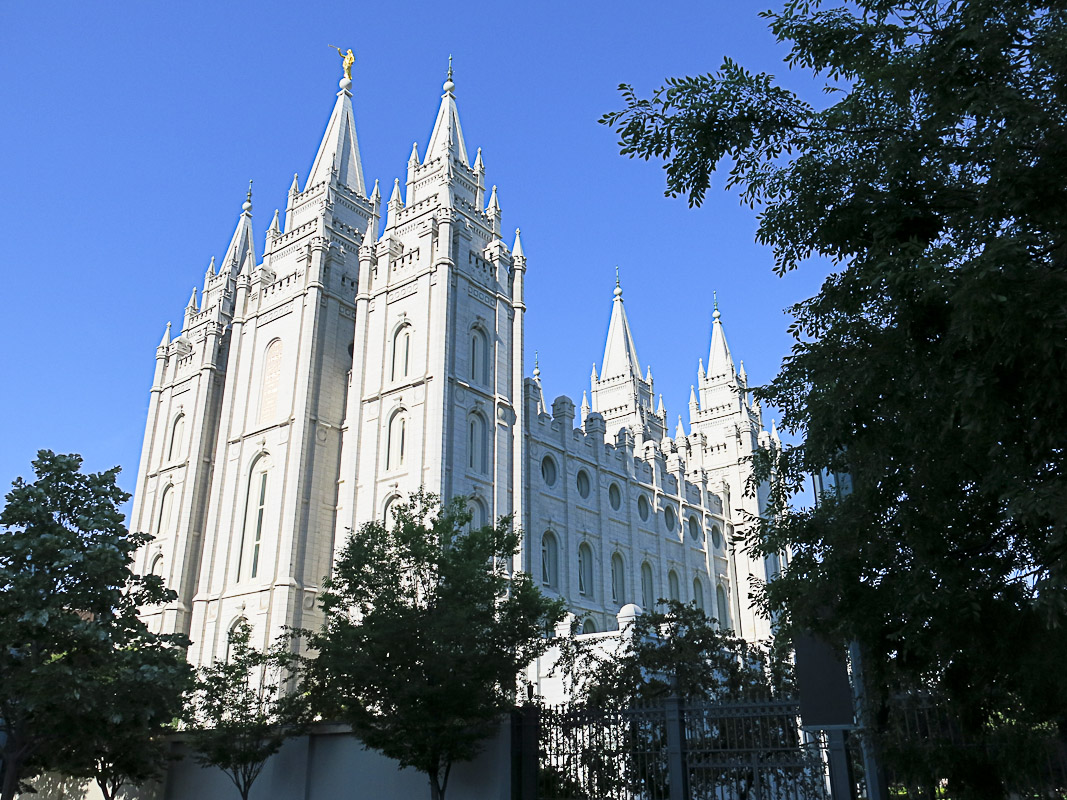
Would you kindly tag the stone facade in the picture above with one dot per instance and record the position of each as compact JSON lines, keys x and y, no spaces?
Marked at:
{"x":363,"y":357}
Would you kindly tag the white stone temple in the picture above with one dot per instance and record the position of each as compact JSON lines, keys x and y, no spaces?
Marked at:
{"x":370,"y":351}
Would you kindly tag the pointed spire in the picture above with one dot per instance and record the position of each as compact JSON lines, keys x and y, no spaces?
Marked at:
{"x":395,"y":204}
{"x":414,"y":159}
{"x":493,"y":212}
{"x":479,"y":165}
{"x":679,"y":431}
{"x":585,"y":405}
{"x":210,"y":269}
{"x":339,"y":151}
{"x":595,"y":378}
{"x":376,"y":195}
{"x":692,"y":395}
{"x":192,"y":301}
{"x":166,"y":337}
{"x":700,"y":370}
{"x":274,"y":231}
{"x":241,"y":244}
{"x":659,"y":409}
{"x":743,"y":375}
{"x":447,"y":136}
{"x":774,"y":435}
{"x":516,"y":251}
{"x":720,"y":362}
{"x":537,"y":382}
{"x":648,"y":375}
{"x":248,"y":265}
{"x":620,"y":354}
{"x":294,"y":188}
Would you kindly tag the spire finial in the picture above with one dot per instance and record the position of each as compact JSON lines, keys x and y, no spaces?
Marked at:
{"x":247,"y":206}
{"x":716,"y":315}
{"x":537,"y":368}
{"x":449,"y":84}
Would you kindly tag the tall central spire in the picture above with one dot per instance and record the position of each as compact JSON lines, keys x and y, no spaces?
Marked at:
{"x":620,"y":354}
{"x":447,"y":136}
{"x":339,"y":152}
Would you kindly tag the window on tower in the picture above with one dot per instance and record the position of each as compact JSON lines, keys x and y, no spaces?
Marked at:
{"x":648,"y":592}
{"x":585,"y":570}
{"x":479,"y":363}
{"x":477,"y":457}
{"x":396,"y":441}
{"x":723,"y":608}
{"x":618,"y":579}
{"x":674,"y":591}
{"x":549,"y":560}
{"x":401,"y":353}
{"x":698,"y":594}
{"x":272,"y":372}
{"x":177,"y":434}
{"x":254,"y":528}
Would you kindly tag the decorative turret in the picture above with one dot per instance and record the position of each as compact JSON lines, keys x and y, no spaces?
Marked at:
{"x":479,"y":179}
{"x":164,"y":342}
{"x":493,"y":212}
{"x":338,"y":156}
{"x":241,"y":245}
{"x":210,"y":271}
{"x":273,"y":232}
{"x":394,"y":206}
{"x":516,"y":251}
{"x":541,"y":407}
{"x":290,"y":206}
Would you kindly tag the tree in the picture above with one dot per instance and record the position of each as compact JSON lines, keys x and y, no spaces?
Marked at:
{"x":241,"y":713}
{"x":68,"y":621}
{"x":931,"y":366}
{"x":425,"y":633}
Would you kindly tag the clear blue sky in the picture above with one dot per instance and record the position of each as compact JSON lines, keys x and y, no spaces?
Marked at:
{"x":131,"y":129}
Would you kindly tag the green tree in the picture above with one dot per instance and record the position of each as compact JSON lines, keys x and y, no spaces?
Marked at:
{"x":426,"y":631}
{"x":240,"y":713}
{"x":68,"y":621}
{"x":931,"y":365}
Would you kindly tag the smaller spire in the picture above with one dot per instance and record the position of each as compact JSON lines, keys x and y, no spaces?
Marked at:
{"x":648,"y":375}
{"x":248,"y":264}
{"x":692,"y":395}
{"x":594,"y":373}
{"x":192,"y":300}
{"x":585,"y":404}
{"x":376,"y":195}
{"x":414,"y":159}
{"x":679,"y":432}
{"x":774,"y":435}
{"x":743,"y":375}
{"x":659,"y":409}
{"x":166,"y":337}
{"x":395,"y":196}
{"x":700,"y":370}
{"x":395,"y":204}
{"x":493,"y":212}
{"x":516,"y":251}
{"x":274,"y":230}
{"x":294,"y":188}
{"x":479,"y":166}
{"x":210,"y":269}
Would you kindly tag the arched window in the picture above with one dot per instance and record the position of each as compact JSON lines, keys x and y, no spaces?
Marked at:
{"x":585,"y":570}
{"x":618,"y":579}
{"x":479,"y":357}
{"x":272,"y":373}
{"x":479,"y":516}
{"x":550,"y":560}
{"x":724,"y":609}
{"x":583,"y":483}
{"x":396,"y":441}
{"x":716,"y":536}
{"x":648,"y":591}
{"x":588,"y":626}
{"x":387,"y":511}
{"x":670,"y":519}
{"x":548,"y":471}
{"x":614,"y":496}
{"x":230,"y":632}
{"x":177,"y":434}
{"x":643,"y":508}
{"x":476,"y":444}
{"x":166,"y":504}
{"x":157,"y":565}
{"x":698,"y":595}
{"x":401,"y":353}
{"x":255,"y":513}
{"x":674,"y":592}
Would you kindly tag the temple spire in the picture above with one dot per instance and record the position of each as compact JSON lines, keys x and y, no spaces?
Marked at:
{"x":447,"y":136}
{"x":720,"y":362}
{"x":620,"y":354}
{"x":338,"y":153}
{"x":241,"y":245}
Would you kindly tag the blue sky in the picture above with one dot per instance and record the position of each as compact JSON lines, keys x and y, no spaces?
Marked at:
{"x":131,"y":131}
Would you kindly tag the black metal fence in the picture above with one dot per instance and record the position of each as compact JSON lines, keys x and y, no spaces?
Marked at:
{"x":667,"y":751}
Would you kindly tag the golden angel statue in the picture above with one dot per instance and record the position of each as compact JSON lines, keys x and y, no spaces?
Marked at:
{"x":348,"y":61}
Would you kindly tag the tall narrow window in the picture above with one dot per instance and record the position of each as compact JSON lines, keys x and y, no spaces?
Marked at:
{"x":698,"y":594}
{"x":157,"y":566}
{"x":166,"y":504}
{"x":648,"y":591}
{"x":550,"y":560}
{"x":585,"y":570}
{"x":724,"y":609}
{"x":272,"y":372}
{"x":476,"y":450}
{"x":396,"y":441}
{"x":479,"y":357}
{"x":479,"y":516}
{"x":387,"y":511}
{"x":673,"y":590}
{"x":177,"y":434}
{"x":618,"y":579}
{"x":253,"y":530}
{"x":401,"y":353}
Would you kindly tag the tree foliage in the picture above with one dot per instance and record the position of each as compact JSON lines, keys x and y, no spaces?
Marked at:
{"x":426,"y":631}
{"x":241,"y":712}
{"x":931,"y":365}
{"x":72,"y":638}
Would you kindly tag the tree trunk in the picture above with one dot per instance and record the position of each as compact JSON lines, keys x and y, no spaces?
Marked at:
{"x":11,"y":766}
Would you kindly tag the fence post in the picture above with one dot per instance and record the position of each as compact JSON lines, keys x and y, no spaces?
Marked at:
{"x":841,"y":785}
{"x":677,"y":769}
{"x":529,"y":750}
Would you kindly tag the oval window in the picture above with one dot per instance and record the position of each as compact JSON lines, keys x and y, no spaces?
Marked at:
{"x":614,"y":496}
{"x":716,"y":536}
{"x":548,"y":470}
{"x":694,"y":529}
{"x":669,"y":518}
{"x":583,"y":483}
{"x":643,"y":509}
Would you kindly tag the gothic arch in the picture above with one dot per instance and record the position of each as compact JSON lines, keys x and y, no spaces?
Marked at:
{"x":585,"y":570}
{"x":400,"y":360}
{"x":477,"y":443}
{"x":270,"y":383}
{"x":550,"y":560}
{"x":254,"y":524}
{"x":396,"y":436}
{"x":177,"y":435}
{"x":480,"y":352}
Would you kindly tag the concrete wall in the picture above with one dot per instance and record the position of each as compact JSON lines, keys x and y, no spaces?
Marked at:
{"x":327,"y":764}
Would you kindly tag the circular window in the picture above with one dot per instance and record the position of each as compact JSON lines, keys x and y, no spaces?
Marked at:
{"x":716,"y":536}
{"x":642,"y":508}
{"x":669,"y":518}
{"x":548,"y":470}
{"x":694,"y":529}
{"x":583,"y":483}
{"x":614,"y":496}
